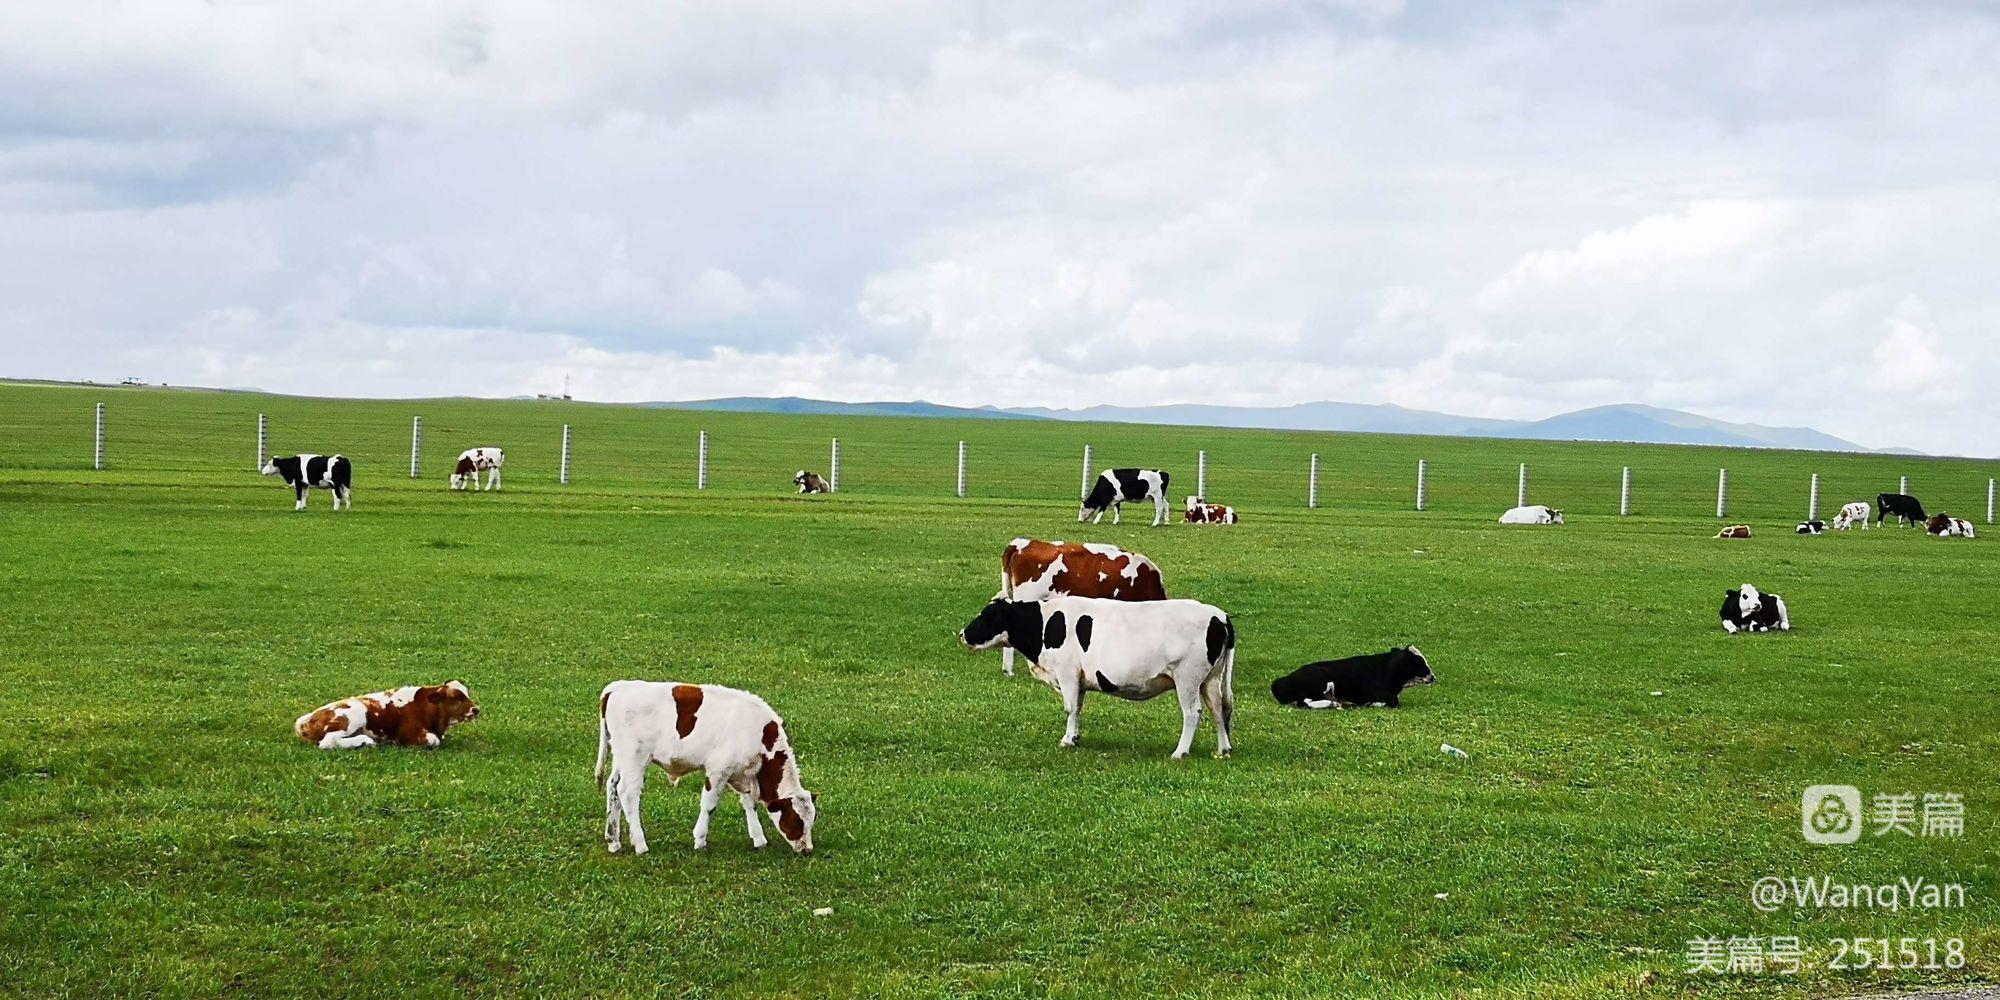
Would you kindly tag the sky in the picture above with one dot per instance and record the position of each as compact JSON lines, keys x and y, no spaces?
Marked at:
{"x":1781,"y":212}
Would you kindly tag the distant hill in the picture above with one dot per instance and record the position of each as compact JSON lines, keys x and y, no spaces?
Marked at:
{"x":827,"y":407}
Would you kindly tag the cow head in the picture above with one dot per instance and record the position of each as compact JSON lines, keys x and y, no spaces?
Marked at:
{"x":1005,"y":623}
{"x":1555,"y":515}
{"x":1748,"y":600}
{"x":1412,"y":669}
{"x":1938,"y":525}
{"x":458,"y":475}
{"x":270,"y":466}
{"x":454,"y":703}
{"x":794,"y":816}
{"x":1099,"y":499}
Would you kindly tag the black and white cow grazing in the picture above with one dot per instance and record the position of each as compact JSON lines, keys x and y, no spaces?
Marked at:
{"x":1131,"y":649}
{"x":1116,"y":487}
{"x":1746,"y":610}
{"x":810,"y":482}
{"x":1811,"y":527}
{"x":303,"y":472}
{"x":1376,"y":679}
{"x":1904,"y":506}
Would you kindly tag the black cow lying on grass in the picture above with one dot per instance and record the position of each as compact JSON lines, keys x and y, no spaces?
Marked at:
{"x":1746,"y":610}
{"x":1812,"y":527}
{"x":1373,"y":679}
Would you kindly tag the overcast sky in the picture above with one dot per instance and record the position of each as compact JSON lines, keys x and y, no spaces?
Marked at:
{"x":1510,"y":209}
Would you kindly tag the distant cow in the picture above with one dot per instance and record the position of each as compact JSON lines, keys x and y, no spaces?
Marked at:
{"x":1746,"y":610}
{"x":1376,"y":679}
{"x":1535,"y":514}
{"x":410,"y":716}
{"x":1851,"y":515}
{"x":1947,"y":526}
{"x":1116,"y":487}
{"x":810,"y":482}
{"x":1200,"y":511}
{"x":1034,"y":570}
{"x":1131,"y":650}
{"x":1812,"y":527}
{"x":731,"y":736}
{"x":1904,"y":506}
{"x":1734,"y":531}
{"x":472,"y":462}
{"x":303,"y":472}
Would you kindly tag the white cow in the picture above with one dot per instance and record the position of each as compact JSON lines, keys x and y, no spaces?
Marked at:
{"x":1850,"y":514}
{"x":1134,"y":650}
{"x":473,"y":461}
{"x":731,"y":736}
{"x":1536,"y":514}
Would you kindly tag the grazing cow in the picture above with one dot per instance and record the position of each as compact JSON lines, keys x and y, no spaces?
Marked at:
{"x":810,"y":482}
{"x":1117,"y":486}
{"x":1375,"y":680}
{"x":472,"y":462}
{"x":1746,"y":610}
{"x":1734,"y":531}
{"x":1200,"y":511}
{"x":1811,"y":527}
{"x":1534,"y":514}
{"x":303,"y":472}
{"x":1131,"y":650}
{"x":1850,"y":515}
{"x":410,"y":716}
{"x":1033,"y":570}
{"x":1947,"y":526}
{"x":1904,"y":506}
{"x":731,"y":736}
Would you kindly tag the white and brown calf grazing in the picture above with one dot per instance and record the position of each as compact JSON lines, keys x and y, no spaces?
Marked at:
{"x":472,"y":462}
{"x":410,"y":716}
{"x":1033,"y":570}
{"x":1200,"y":511}
{"x":731,"y":736}
{"x":1852,"y":514}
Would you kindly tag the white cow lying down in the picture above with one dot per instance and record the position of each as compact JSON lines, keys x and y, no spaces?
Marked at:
{"x":1536,"y":514}
{"x":1131,"y":649}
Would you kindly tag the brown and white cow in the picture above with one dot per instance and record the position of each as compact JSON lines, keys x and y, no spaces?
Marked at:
{"x":410,"y":716}
{"x":732,"y":737}
{"x":1034,"y":570}
{"x":472,"y":462}
{"x":1200,"y":511}
{"x":1734,"y":531}
{"x":1947,"y":526}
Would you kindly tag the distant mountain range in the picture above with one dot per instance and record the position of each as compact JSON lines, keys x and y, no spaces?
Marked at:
{"x":1622,"y":422}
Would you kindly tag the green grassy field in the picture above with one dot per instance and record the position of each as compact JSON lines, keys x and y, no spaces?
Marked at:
{"x":164,"y":620}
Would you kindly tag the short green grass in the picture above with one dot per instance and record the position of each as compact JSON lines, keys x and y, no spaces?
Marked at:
{"x":164,"y":620}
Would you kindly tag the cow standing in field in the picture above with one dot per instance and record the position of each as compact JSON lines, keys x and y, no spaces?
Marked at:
{"x":1850,"y":515}
{"x":1947,"y":526}
{"x":1904,"y":506}
{"x":409,"y":716}
{"x":1532,"y":514}
{"x":303,"y":472}
{"x":732,"y":737}
{"x":472,"y":462}
{"x":1115,"y":487}
{"x":1131,"y":650}
{"x":1034,"y":570}
{"x":1200,"y":511}
{"x":810,"y":482}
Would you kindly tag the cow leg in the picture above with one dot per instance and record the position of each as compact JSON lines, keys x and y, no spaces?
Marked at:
{"x":632,"y":785}
{"x":1211,"y":695}
{"x":611,"y":810}
{"x":340,"y":498}
{"x":1007,"y":660}
{"x":1159,"y":510}
{"x":1190,"y":696}
{"x":301,"y":505}
{"x":1071,"y":685}
{"x":493,"y":478}
{"x":340,"y":740}
{"x":757,"y":840}
{"x":1116,"y":509}
{"x":711,"y":794}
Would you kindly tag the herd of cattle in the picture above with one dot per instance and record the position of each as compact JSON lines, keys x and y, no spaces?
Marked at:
{"x":1086,"y":616}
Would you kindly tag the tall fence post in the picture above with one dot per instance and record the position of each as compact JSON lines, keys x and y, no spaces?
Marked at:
{"x":263,"y":452}
{"x":1086,"y":472}
{"x":1989,"y":501}
{"x":1625,"y":492}
{"x":701,"y":464}
{"x":564,"y":476}
{"x":1903,"y":485}
{"x":97,"y":453}
{"x":1312,"y":484}
{"x":1423,"y":469}
{"x":961,"y":470}
{"x":1722,"y":493}
{"x":1201,"y":474}
{"x":416,"y":447}
{"x":1521,"y":491}
{"x":1812,"y":502}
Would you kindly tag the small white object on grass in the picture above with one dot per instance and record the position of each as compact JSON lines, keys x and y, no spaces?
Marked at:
{"x":824,"y":911}
{"x":1441,"y":895}
{"x":1656,"y":694}
{"x":1452,"y":750}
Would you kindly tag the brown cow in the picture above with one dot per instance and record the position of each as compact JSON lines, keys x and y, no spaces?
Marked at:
{"x":412,"y":716}
{"x":1200,"y":511}
{"x":1033,"y":570}
{"x":1734,"y":531}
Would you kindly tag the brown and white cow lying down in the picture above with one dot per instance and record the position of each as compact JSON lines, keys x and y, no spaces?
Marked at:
{"x":411,"y":716}
{"x":1034,"y":570}
{"x":1734,"y":531}
{"x":1200,"y":511}
{"x":731,"y":736}
{"x":1947,"y":526}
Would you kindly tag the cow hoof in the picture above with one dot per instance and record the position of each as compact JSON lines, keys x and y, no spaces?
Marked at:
{"x":1222,"y":753}
{"x":613,"y":848}
{"x":637,"y":851}
{"x":1067,"y":744}
{"x":1178,"y":755}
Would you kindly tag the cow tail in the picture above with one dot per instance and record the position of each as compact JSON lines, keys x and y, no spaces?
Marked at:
{"x":603,"y":737}
{"x":1007,"y":571}
{"x":1229,"y":679}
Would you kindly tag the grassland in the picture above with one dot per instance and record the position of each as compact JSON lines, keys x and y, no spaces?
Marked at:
{"x":162,"y":622}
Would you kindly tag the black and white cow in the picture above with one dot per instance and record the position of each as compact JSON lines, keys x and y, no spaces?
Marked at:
{"x":1812,"y":527}
{"x":1746,"y":610}
{"x":1132,"y":649}
{"x":1904,"y":506}
{"x":1374,"y":679}
{"x":303,"y":472}
{"x":810,"y":482}
{"x":1115,"y":487}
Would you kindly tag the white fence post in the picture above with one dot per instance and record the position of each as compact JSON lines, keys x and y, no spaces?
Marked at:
{"x":1812,"y":502}
{"x":1086,"y":472}
{"x":1625,"y":492}
{"x":262,"y":452}
{"x":833,"y":478}
{"x":1903,"y":485}
{"x":1521,"y":492}
{"x":1201,"y":474}
{"x":1722,"y":493}
{"x":564,"y":476}
{"x":701,"y":464}
{"x":1423,"y":468}
{"x":97,"y":454}
{"x":1312,"y":484}
{"x":961,"y":470}
{"x":416,"y":447}
{"x":1989,"y":501}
